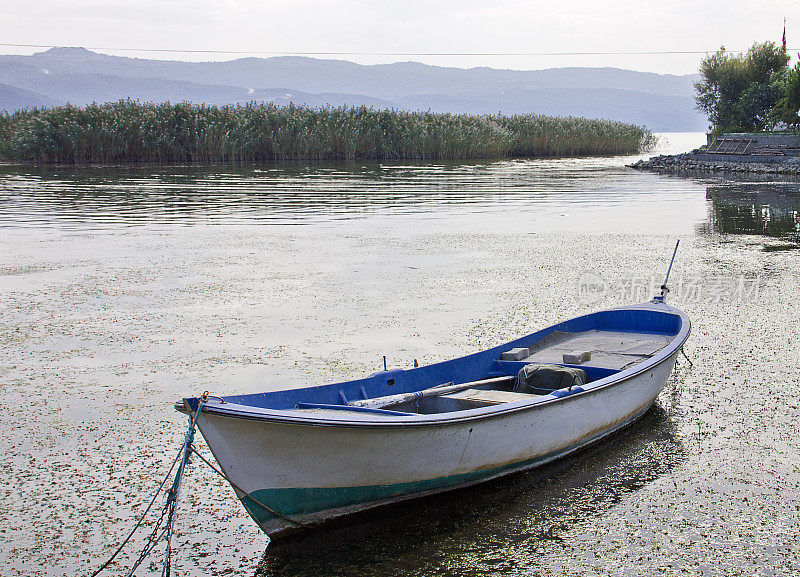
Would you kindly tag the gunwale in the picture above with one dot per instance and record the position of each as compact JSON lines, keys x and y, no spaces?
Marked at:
{"x":231,"y":409}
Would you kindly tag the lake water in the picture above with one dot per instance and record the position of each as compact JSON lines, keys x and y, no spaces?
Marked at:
{"x":122,"y":290}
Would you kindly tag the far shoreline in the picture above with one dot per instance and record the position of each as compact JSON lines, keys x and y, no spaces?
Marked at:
{"x":303,"y":163}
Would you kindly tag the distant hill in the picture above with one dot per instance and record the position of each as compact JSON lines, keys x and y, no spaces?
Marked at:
{"x":13,"y":98}
{"x":660,"y":102}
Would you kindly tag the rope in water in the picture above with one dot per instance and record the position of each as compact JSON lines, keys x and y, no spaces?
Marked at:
{"x":141,"y":517}
{"x":174,"y":492}
{"x":170,"y":507}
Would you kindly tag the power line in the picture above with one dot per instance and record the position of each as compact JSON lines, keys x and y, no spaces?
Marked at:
{"x":334,"y":53}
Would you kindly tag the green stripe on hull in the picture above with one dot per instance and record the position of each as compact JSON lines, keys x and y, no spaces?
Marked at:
{"x":315,"y":499}
{"x":299,"y":501}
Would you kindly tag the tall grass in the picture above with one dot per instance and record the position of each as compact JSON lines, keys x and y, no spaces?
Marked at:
{"x":535,"y":135}
{"x":129,"y":131}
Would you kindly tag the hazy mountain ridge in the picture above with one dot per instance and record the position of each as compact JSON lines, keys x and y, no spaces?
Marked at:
{"x":79,"y":76}
{"x":14,"y":98}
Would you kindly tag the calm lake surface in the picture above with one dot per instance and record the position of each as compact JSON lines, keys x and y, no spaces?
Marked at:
{"x":122,"y":290}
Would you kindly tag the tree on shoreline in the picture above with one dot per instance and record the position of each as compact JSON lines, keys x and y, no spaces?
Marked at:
{"x":786,"y":111}
{"x":739,"y":92}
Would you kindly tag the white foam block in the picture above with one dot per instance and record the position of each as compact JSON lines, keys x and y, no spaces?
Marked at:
{"x":515,"y":355}
{"x":577,"y":357}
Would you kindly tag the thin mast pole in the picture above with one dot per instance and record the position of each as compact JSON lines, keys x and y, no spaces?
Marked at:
{"x":664,"y":289}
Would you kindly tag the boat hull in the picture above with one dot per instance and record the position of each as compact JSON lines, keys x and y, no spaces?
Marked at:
{"x":311,"y":472}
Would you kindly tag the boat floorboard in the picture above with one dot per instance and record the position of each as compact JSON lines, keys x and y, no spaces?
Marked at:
{"x":609,"y":349}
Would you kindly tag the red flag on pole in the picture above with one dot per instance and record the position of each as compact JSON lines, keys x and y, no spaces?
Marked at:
{"x":784,"y":35}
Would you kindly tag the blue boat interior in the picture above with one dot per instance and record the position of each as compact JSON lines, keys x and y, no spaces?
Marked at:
{"x":602,"y":344}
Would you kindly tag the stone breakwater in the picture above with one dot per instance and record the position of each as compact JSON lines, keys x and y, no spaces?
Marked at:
{"x":699,"y":162}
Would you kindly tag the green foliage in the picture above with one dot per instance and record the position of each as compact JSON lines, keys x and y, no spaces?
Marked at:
{"x":129,"y":131}
{"x":788,"y":106}
{"x":738,"y":92}
{"x":764,"y":60}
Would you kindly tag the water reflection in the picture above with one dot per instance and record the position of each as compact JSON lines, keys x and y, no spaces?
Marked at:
{"x":590,"y":192}
{"x":756,"y":208}
{"x":500,"y":527}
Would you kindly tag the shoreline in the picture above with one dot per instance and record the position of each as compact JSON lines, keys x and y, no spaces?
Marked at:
{"x":297,"y":162}
{"x":691,"y":161}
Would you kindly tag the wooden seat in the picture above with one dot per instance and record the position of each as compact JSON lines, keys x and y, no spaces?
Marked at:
{"x":482,"y":398}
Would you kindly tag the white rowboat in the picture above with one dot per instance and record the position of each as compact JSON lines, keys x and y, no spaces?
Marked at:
{"x":300,"y":457}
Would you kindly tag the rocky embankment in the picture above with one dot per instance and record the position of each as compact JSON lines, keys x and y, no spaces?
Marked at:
{"x":691,"y":161}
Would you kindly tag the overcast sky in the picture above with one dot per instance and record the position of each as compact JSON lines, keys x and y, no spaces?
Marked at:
{"x":408,"y":26}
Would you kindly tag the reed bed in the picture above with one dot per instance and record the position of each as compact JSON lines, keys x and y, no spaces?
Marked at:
{"x":536,"y":135}
{"x":133,"y":132}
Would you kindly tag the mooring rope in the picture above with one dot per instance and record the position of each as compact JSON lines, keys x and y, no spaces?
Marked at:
{"x":141,"y":517}
{"x":170,"y":507}
{"x":174,"y":492}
